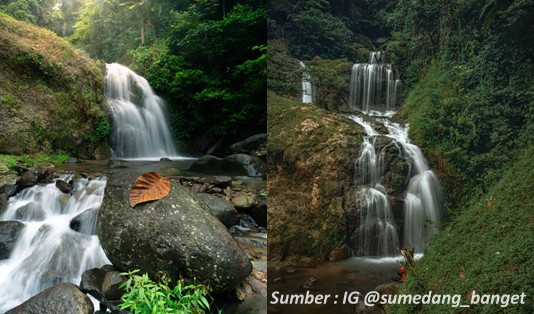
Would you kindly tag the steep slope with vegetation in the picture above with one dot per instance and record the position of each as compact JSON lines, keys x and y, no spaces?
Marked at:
{"x":51,"y":95}
{"x":471,"y":105}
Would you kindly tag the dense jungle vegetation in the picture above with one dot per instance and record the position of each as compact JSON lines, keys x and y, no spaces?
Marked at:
{"x":468,"y":95}
{"x":207,"y":58}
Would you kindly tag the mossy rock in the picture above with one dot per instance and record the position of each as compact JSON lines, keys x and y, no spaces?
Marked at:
{"x":51,"y":95}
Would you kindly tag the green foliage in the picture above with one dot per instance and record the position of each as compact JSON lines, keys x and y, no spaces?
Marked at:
{"x":102,"y":130}
{"x":317,"y":33}
{"x":330,"y":79}
{"x":472,"y":109}
{"x":212,"y":71}
{"x":28,"y":160}
{"x":282,"y":70}
{"x":145,"y":296}
{"x":33,"y":11}
{"x":491,"y":240}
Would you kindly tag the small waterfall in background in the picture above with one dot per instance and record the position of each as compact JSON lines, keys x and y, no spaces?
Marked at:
{"x":377,"y":232}
{"x":374,"y":85}
{"x":48,"y":251}
{"x":140,"y":129}
{"x":307,"y":88}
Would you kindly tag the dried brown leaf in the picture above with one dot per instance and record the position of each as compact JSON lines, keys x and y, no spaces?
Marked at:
{"x":150,"y":186}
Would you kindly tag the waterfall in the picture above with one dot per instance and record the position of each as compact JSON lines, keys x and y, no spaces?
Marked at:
{"x":422,"y":206}
{"x":48,"y":251}
{"x":377,"y":232}
{"x":140,"y":129}
{"x":308,"y":92}
{"x":374,"y":85}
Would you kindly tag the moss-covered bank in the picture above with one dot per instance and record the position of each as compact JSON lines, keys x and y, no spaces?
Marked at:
{"x":487,"y":248}
{"x":51,"y":95}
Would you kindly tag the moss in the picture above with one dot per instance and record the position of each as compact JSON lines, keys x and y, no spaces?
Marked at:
{"x":55,"y":93}
{"x":310,"y":165}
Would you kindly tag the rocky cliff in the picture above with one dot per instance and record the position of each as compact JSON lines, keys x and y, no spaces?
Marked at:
{"x":51,"y":95}
{"x":311,"y":154}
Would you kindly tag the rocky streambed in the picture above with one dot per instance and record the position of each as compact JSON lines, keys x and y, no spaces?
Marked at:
{"x":209,"y":228}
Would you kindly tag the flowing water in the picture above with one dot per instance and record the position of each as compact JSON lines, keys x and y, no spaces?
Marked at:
{"x":48,"y":251}
{"x":139,"y":124}
{"x":422,"y":207}
{"x":374,"y":85}
{"x":307,"y":87}
{"x":377,"y":232}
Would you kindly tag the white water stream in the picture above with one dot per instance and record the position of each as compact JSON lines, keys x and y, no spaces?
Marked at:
{"x":48,"y":251}
{"x":423,"y":197}
{"x":374,"y":85}
{"x":140,"y":128}
{"x":307,"y":87}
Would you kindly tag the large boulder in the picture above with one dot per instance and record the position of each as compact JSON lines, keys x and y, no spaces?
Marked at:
{"x":256,"y":145}
{"x":9,"y":233}
{"x":64,"y":298}
{"x":176,"y":234}
{"x":220,"y":208}
{"x":237,"y":165}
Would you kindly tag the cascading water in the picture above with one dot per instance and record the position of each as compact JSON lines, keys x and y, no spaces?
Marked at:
{"x":374,"y":85}
{"x":377,"y":233}
{"x":307,"y":87}
{"x":374,"y":90}
{"x":422,"y":207}
{"x":140,"y":128}
{"x":48,"y":251}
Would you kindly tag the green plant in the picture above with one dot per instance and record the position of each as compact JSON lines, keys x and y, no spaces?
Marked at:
{"x":146,"y":296}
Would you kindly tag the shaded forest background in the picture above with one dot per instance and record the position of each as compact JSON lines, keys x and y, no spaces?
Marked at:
{"x":468,"y":95}
{"x":207,"y":58}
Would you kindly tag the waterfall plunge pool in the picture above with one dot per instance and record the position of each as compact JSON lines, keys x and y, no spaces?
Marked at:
{"x":362,"y":274}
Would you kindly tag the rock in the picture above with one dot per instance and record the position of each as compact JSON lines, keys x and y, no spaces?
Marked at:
{"x":165,"y":159}
{"x":244,"y":201}
{"x":219,"y":181}
{"x":388,"y":288}
{"x":117,"y":164}
{"x":111,"y":285}
{"x":220,"y":208}
{"x":237,"y":164}
{"x":91,"y":282}
{"x":9,"y":233}
{"x":253,"y":296}
{"x":31,"y":212}
{"x":309,"y":283}
{"x":27,"y":179}
{"x":45,"y":171}
{"x":339,"y":253}
{"x":256,"y":145}
{"x":259,"y":211}
{"x":361,"y":308}
{"x":64,"y":186}
{"x":198,"y":188}
{"x":176,"y":234}
{"x":85,"y":222}
{"x":73,"y":160}
{"x":307,"y":262}
{"x":64,"y":298}
{"x":6,"y":191}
